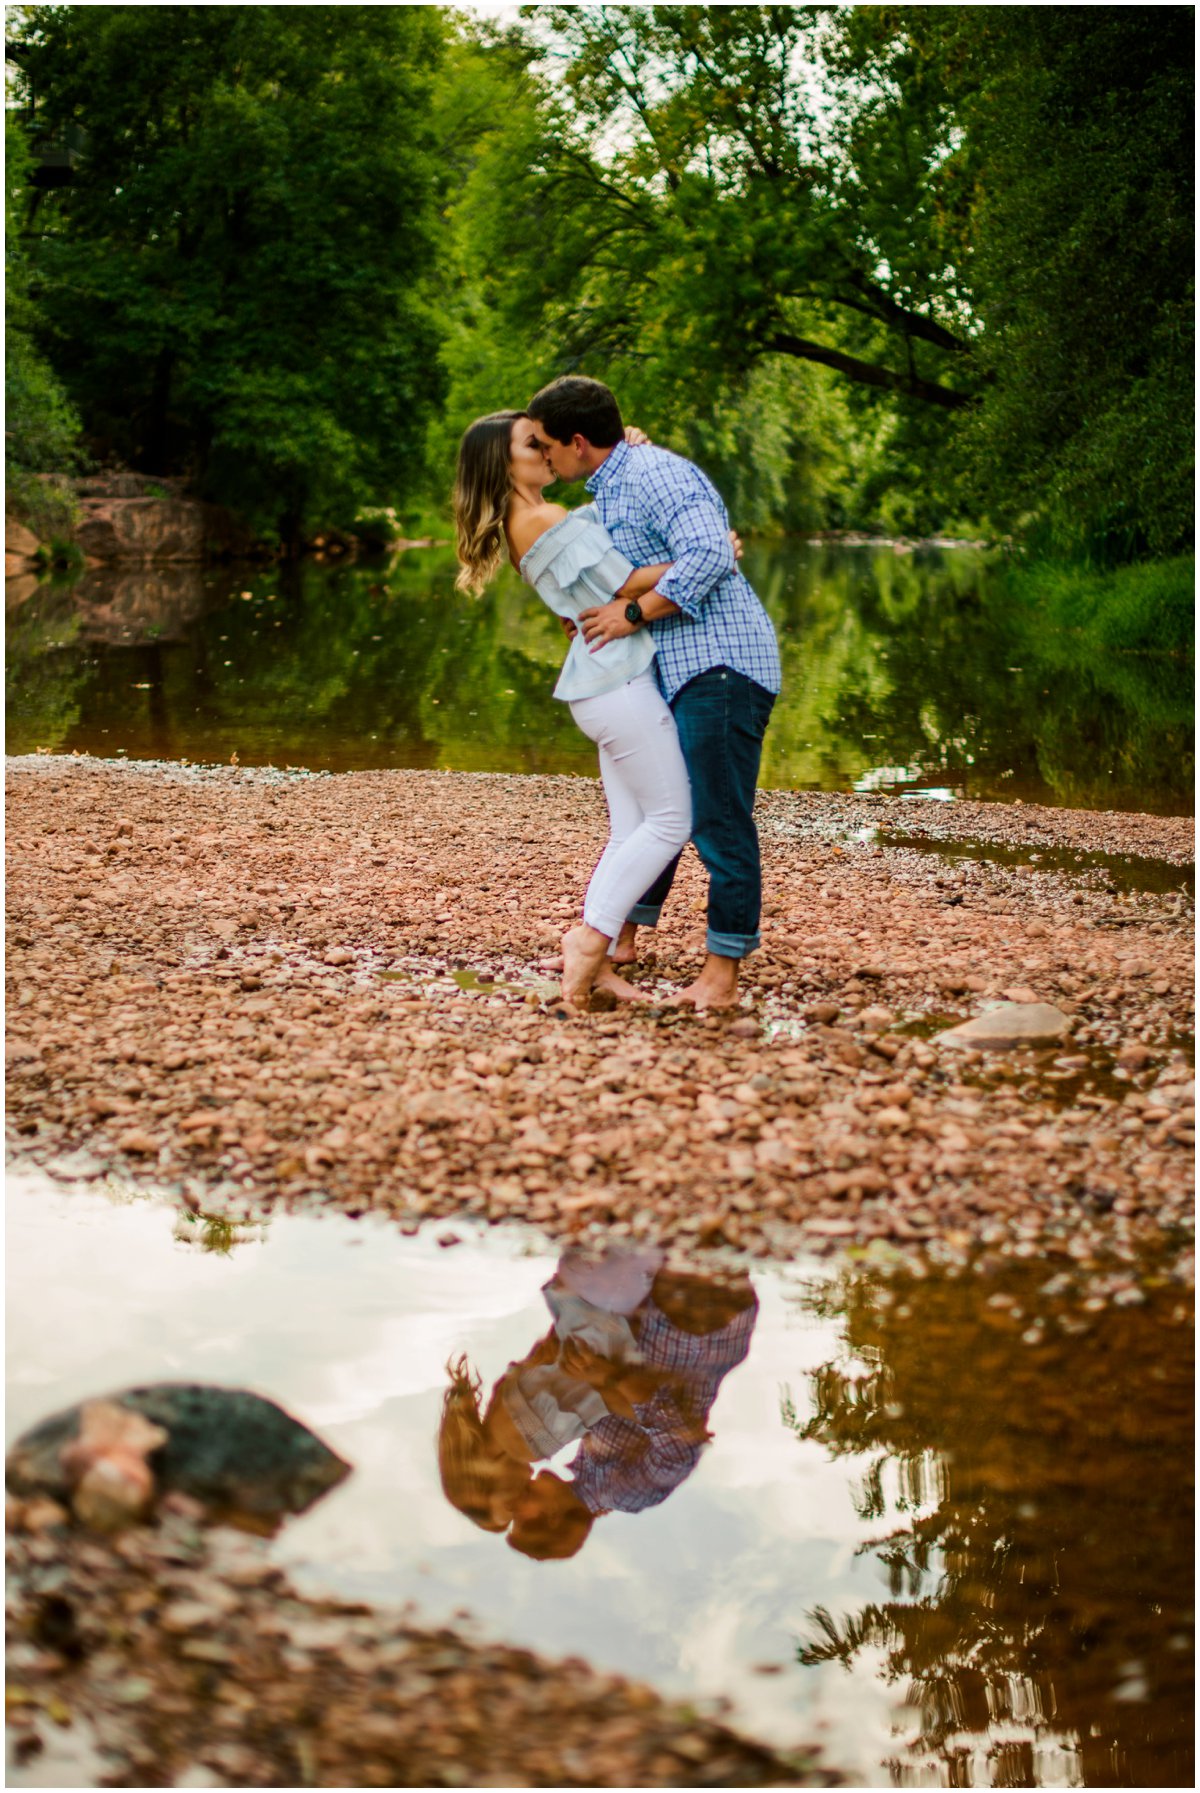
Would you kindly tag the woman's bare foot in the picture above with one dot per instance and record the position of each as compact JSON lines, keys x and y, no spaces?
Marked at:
{"x":584,"y":951}
{"x":607,"y":979}
{"x":715,"y":988}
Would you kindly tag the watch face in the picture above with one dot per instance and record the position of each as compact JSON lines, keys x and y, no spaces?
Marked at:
{"x":633,"y":612}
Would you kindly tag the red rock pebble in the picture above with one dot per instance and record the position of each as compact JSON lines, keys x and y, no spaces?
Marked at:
{"x":256,"y":994}
{"x":189,"y":1660}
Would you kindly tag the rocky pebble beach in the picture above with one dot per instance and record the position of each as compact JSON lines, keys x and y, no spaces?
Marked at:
{"x":179,"y":1656}
{"x":243,"y":987}
{"x":255,"y":987}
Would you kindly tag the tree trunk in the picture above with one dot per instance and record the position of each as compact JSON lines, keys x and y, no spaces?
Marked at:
{"x":156,"y":450}
{"x":291,"y":530}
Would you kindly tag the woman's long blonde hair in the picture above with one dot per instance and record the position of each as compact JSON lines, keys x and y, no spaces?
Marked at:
{"x":482,"y":488}
{"x":464,"y":1460}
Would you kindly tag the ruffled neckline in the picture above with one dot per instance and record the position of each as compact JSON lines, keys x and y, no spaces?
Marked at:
{"x":586,"y":514}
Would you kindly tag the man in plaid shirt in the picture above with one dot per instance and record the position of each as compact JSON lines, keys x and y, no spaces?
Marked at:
{"x":691,"y":1332}
{"x":716,"y":653}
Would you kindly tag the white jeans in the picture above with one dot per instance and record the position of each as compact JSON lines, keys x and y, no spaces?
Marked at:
{"x":649,"y":797}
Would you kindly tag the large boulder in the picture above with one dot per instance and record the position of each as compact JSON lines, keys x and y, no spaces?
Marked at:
{"x":1010,"y":1024}
{"x":242,"y":1457}
{"x":20,"y":548}
{"x":148,"y":531}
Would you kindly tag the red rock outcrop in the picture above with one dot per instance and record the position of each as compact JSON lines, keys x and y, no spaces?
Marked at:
{"x":20,"y":547}
{"x":148,"y":531}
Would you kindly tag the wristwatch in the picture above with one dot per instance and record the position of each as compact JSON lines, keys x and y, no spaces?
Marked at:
{"x":633,"y":613}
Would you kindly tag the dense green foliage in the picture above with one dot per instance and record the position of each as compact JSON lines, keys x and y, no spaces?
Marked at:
{"x":41,"y":428}
{"x":1077,"y":142}
{"x":1148,"y":607}
{"x":239,"y":281}
{"x":913,"y":268}
{"x":976,"y":219}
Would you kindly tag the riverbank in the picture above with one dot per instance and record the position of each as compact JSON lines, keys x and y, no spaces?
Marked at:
{"x":184,"y":1652}
{"x":261,"y":987}
{"x":132,"y":522}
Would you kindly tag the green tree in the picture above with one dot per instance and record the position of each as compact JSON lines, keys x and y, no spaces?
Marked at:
{"x":1075,"y":205}
{"x":978,"y":218}
{"x":485,"y":105}
{"x":240,"y":280}
{"x":677,"y":214}
{"x":41,"y":427}
{"x":526,"y":225}
{"x":700,"y":178}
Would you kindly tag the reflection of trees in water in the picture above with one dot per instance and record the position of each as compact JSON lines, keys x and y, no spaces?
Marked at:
{"x":363,"y":665}
{"x":1039,"y":1565}
{"x":888,"y":661}
{"x":924,"y":660}
{"x":43,"y":672}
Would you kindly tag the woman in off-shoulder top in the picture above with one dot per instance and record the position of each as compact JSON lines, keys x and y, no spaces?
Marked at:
{"x":569,"y":559}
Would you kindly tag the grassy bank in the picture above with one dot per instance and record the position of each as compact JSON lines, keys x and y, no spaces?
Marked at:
{"x":1142,"y":609}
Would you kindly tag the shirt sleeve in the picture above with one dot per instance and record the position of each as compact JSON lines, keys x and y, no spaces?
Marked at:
{"x":691,"y":520}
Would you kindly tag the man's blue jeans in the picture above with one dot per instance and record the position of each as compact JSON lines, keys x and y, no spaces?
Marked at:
{"x":722,"y":717}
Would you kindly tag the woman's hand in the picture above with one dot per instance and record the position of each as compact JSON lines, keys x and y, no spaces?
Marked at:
{"x":569,"y":628}
{"x":736,"y":542}
{"x":637,"y":438}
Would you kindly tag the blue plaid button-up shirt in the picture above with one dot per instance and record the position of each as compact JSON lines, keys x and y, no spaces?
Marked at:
{"x":628,"y":1465}
{"x":657,"y":506}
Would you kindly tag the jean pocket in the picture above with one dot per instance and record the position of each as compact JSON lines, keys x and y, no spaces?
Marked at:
{"x":762,"y":707}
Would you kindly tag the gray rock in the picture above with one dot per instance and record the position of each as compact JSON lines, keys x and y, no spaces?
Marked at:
{"x":236,"y":1453}
{"x":1010,"y":1024}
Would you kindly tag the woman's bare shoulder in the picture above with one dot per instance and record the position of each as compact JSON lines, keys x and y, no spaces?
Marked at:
{"x":530,"y":523}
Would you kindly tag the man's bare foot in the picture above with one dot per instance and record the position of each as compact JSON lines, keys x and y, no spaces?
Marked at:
{"x":625,"y":952}
{"x":584,"y":951}
{"x":607,"y":979}
{"x":715,"y":988}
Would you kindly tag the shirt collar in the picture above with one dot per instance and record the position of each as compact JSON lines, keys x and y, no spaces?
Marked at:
{"x":608,"y":468}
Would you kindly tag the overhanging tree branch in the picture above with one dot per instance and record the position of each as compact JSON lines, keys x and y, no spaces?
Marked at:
{"x":913,"y":323}
{"x":865,"y":373}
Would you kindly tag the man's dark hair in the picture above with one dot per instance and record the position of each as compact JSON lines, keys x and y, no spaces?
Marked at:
{"x":576,"y":406}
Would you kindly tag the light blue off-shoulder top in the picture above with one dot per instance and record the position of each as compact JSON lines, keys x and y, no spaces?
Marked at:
{"x":574,"y":566}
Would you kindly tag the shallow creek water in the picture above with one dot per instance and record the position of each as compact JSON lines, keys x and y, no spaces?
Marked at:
{"x":942,"y":1525}
{"x":903,"y":672}
{"x":1114,"y":872}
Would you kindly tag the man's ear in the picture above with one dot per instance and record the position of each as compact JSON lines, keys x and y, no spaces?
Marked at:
{"x":581,"y":446}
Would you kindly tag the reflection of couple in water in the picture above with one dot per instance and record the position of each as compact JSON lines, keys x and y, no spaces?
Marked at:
{"x":630,"y":1369}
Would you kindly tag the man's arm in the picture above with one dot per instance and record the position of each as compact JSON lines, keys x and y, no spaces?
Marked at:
{"x":609,"y":622}
{"x":641,"y":581}
{"x":691,"y":520}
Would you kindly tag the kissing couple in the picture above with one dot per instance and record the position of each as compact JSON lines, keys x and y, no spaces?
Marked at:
{"x":672,"y":670}
{"x":629,"y":1372}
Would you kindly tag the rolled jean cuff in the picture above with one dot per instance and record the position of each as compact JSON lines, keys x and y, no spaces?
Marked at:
{"x":604,"y":923}
{"x":645,"y":915}
{"x":731,"y":946}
